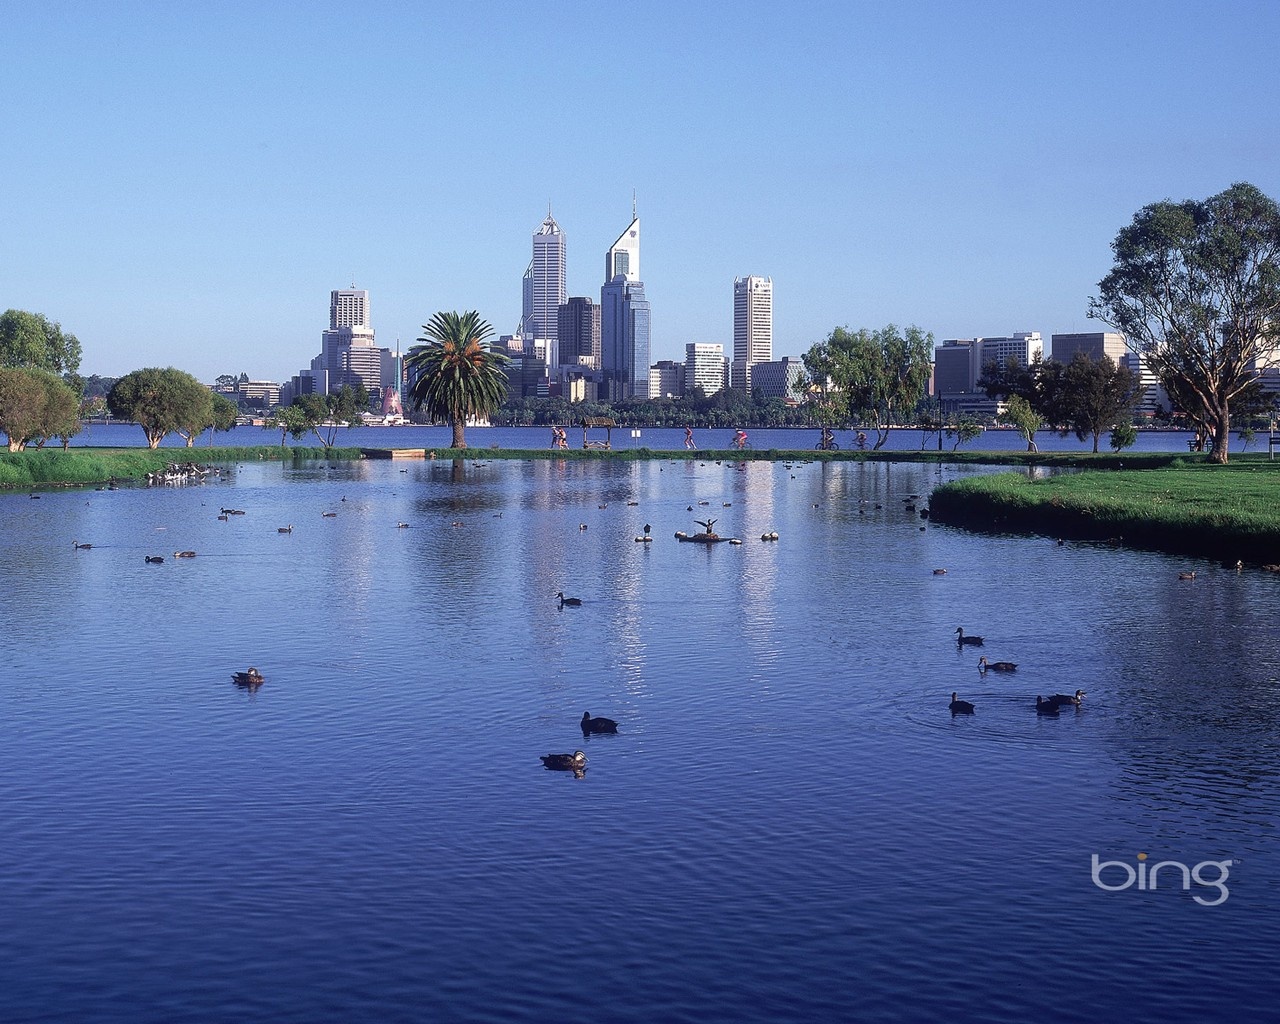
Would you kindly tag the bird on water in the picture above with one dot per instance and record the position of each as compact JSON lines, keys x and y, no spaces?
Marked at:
{"x":960,"y":707}
{"x":966,"y":641}
{"x":597,"y":725}
{"x":572,"y":602}
{"x":574,"y":762}
{"x":996,"y":666}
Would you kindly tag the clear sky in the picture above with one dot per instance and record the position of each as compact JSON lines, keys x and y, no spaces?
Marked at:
{"x":183,"y":185}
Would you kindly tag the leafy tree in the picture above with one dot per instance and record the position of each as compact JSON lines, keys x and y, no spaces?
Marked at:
{"x":289,"y":419}
{"x":223,"y":416}
{"x":225,"y":381}
{"x":1019,"y":413}
{"x":30,"y":339}
{"x":1196,"y":288}
{"x":161,"y":401}
{"x":1123,"y":435}
{"x":324,"y":415}
{"x":1093,"y":396}
{"x":877,"y":374}
{"x":35,"y":405}
{"x":455,"y":374}
{"x":964,"y":428}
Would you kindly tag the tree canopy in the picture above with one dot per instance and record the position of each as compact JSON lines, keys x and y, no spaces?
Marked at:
{"x":1196,"y":288}
{"x":161,"y":401}
{"x":455,"y":375}
{"x":36,"y":405}
{"x":322,"y":415}
{"x":32,"y":340}
{"x":874,"y":377}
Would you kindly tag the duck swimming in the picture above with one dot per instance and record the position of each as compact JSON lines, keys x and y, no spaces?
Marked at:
{"x":250,"y":678}
{"x":575,"y":762}
{"x":597,"y":725}
{"x":966,"y":641}
{"x":572,"y":602}
{"x":996,"y":666}
{"x":154,"y":559}
{"x":1045,"y":707}
{"x":1062,"y":700}
{"x":960,"y":707}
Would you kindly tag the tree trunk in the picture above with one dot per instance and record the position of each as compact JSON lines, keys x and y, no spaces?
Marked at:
{"x":1221,"y":436}
{"x":1096,"y":434}
{"x":459,"y":435}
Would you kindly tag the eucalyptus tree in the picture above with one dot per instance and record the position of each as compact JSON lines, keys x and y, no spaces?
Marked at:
{"x":876,"y":375}
{"x":160,"y":401}
{"x":455,"y":375}
{"x":32,"y":340}
{"x":36,"y":405}
{"x":1196,"y":289}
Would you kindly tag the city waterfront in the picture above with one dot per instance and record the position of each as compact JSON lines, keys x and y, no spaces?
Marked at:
{"x":790,"y":825}
{"x":128,"y":435}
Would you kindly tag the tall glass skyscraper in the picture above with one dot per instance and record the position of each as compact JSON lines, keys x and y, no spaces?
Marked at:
{"x":624,"y":319}
{"x":544,"y":290}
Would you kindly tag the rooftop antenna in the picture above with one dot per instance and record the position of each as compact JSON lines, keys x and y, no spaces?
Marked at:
{"x":633,"y":204}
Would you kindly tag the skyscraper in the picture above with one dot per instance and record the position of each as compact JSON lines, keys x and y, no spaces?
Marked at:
{"x":752,"y":326}
{"x":544,"y":288}
{"x":624,"y":319}
{"x":348,"y":352}
{"x":578,"y":333}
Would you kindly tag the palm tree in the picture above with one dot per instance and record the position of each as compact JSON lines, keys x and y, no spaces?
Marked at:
{"x":455,"y":373}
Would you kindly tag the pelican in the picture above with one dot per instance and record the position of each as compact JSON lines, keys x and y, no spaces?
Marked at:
{"x":574,"y":762}
{"x":960,"y":707}
{"x":966,"y":641}
{"x":597,"y":725}
{"x":996,"y":666}
{"x":572,"y":602}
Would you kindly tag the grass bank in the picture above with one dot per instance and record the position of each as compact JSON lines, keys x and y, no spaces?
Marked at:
{"x":53,"y":467}
{"x":1227,"y":512}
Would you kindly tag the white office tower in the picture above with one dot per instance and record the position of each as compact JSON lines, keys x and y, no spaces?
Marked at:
{"x":752,"y":327}
{"x":348,"y":351}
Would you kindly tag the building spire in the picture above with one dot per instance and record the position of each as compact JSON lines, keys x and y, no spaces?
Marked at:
{"x":633,"y":204}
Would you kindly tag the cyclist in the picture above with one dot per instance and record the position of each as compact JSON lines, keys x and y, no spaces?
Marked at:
{"x":740,"y":439}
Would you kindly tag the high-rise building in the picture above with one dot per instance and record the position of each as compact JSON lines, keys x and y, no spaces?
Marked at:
{"x":1094,"y":344}
{"x":705,"y":367}
{"x":578,"y":333}
{"x":349,"y":355}
{"x":666,"y":379}
{"x":544,"y":289}
{"x":624,"y":319}
{"x":1024,"y":347}
{"x":752,"y":326}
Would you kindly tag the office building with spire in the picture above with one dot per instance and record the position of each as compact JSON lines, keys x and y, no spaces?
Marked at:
{"x":349,"y":354}
{"x":624,"y":318}
{"x":544,"y":292}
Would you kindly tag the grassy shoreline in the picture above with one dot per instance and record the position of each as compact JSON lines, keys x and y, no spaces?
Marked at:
{"x":1165,"y":501}
{"x":1224,"y":512}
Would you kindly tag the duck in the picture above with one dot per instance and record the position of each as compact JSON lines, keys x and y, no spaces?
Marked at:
{"x":940,"y":572}
{"x":223,"y":517}
{"x":1045,"y":707}
{"x":572,"y":602}
{"x":402,"y":526}
{"x":597,"y":725}
{"x":285,"y":529}
{"x":184,"y":554}
{"x":1062,"y":699}
{"x":575,"y":762}
{"x":966,"y":641}
{"x":1186,"y":575}
{"x":80,"y":547}
{"x":328,"y":515}
{"x":250,"y":678}
{"x":996,"y":666}
{"x":960,"y":707}
{"x":154,"y":559}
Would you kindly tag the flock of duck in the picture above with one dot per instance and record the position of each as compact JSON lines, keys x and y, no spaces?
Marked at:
{"x":1044,"y":705}
{"x":577,"y":761}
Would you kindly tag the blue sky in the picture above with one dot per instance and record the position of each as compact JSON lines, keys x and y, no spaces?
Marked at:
{"x":184,"y":184}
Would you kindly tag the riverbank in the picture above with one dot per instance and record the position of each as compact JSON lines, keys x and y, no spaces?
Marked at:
{"x":54,"y":467}
{"x":1190,"y":508}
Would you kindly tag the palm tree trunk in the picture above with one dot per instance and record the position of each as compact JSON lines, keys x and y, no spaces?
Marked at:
{"x":459,"y":437}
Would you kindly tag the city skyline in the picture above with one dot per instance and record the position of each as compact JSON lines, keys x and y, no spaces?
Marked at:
{"x":965,"y":171}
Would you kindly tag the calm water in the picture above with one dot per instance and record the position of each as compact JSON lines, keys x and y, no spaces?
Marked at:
{"x":659,"y":438}
{"x":790,"y":825}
